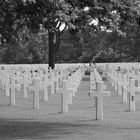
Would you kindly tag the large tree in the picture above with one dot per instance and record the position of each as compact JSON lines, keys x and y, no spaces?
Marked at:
{"x":35,"y":15}
{"x":50,"y":15}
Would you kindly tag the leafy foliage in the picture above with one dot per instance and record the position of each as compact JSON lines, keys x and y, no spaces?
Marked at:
{"x":22,"y":20}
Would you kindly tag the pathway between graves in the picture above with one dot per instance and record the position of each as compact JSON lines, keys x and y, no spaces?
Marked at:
{"x":47,"y":123}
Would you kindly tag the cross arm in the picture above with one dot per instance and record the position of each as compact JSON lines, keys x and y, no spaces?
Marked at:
{"x":101,"y":94}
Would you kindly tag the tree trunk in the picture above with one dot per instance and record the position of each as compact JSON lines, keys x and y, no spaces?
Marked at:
{"x":54,"y":43}
{"x":120,"y":53}
{"x":57,"y":44}
{"x":51,"y":49}
{"x":114,"y":52}
{"x":107,"y":53}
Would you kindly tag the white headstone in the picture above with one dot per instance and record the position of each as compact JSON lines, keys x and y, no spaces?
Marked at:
{"x":35,"y":88}
{"x":66,"y":96}
{"x":99,"y":100}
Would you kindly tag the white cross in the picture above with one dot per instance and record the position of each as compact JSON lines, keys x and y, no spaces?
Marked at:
{"x":132,"y":90}
{"x":92,"y":87}
{"x":7,"y":83}
{"x":92,"y":82}
{"x":75,"y":80}
{"x":35,"y":88}
{"x":120,"y":82}
{"x":114,"y":79}
{"x":25,"y":85}
{"x":51,"y":81}
{"x":125,"y":84}
{"x":92,"y":73}
{"x":44,"y":85}
{"x":12,"y":87}
{"x":72,"y":85}
{"x":56,"y":81}
{"x":66,"y":97}
{"x":99,"y":93}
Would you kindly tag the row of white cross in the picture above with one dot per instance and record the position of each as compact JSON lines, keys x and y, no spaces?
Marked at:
{"x":69,"y":87}
{"x":65,"y":80}
{"x":28,"y":78}
{"x":96,"y":88}
{"x":125,"y":78}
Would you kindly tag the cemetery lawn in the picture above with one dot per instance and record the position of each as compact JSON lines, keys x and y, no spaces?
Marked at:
{"x":21,"y":122}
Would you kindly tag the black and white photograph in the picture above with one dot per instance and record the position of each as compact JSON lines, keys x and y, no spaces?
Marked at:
{"x":69,"y":69}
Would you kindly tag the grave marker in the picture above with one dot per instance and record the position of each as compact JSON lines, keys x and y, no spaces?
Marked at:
{"x":119,"y":84}
{"x":99,"y":93}
{"x":12,"y":87}
{"x":7,"y":83}
{"x":25,"y":85}
{"x":125,"y":84}
{"x":66,"y":97}
{"x":35,"y":88}
{"x":132,"y":90}
{"x":44,"y":85}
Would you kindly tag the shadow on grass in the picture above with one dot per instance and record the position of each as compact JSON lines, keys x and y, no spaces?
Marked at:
{"x":24,"y":129}
{"x":85,"y":78}
{"x":30,"y":129}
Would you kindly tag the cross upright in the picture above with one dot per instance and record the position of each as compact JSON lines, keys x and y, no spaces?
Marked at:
{"x":44,"y":85}
{"x":51,"y":81}
{"x":137,"y":78}
{"x":66,"y":96}
{"x":25,"y":85}
{"x":125,"y":84}
{"x":7,"y":83}
{"x":72,"y":85}
{"x":120,"y":82}
{"x":99,"y":94}
{"x":92,"y":83}
{"x":35,"y":88}
{"x":132,"y":90}
{"x":92,"y":73}
{"x":115,"y":79}
{"x":12,"y":87}
{"x":92,"y":87}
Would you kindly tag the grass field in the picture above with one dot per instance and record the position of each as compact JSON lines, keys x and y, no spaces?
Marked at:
{"x":21,"y":122}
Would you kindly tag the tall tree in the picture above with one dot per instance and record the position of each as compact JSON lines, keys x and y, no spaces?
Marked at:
{"x":50,"y":15}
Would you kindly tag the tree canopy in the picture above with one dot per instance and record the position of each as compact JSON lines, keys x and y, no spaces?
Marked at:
{"x":20,"y":20}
